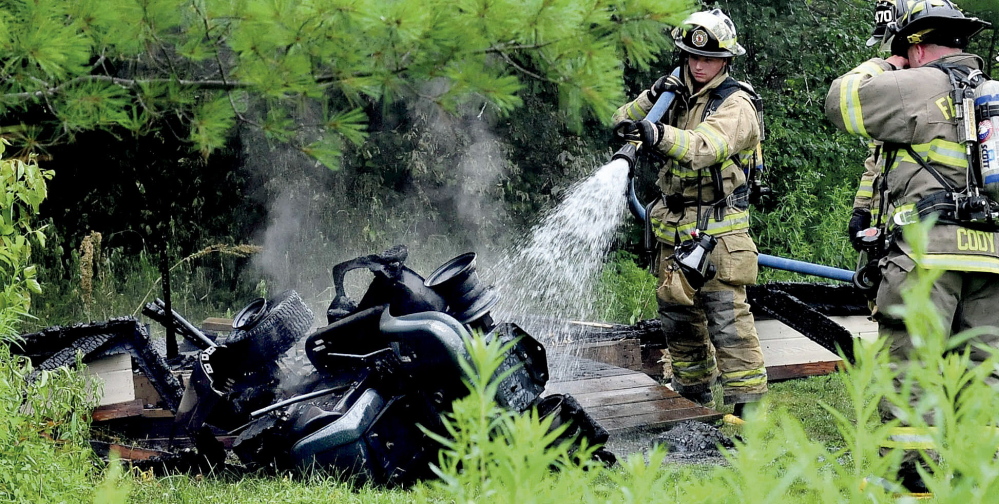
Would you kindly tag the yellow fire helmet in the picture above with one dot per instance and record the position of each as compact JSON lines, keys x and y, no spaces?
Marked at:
{"x":708,"y":33}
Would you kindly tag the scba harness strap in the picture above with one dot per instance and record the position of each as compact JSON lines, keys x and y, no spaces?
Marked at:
{"x":739,"y":198}
{"x":964,"y":206}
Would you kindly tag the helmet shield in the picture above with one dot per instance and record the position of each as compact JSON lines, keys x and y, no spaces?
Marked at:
{"x":708,"y":33}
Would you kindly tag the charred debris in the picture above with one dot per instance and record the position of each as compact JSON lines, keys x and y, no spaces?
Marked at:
{"x":352,"y":397}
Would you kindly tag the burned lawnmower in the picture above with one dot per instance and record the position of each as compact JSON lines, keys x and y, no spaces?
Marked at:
{"x":382,"y":370}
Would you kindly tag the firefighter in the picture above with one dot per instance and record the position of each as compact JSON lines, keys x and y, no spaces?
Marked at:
{"x":865,"y":204}
{"x":867,"y":211}
{"x":707,"y":140}
{"x":906,"y":102}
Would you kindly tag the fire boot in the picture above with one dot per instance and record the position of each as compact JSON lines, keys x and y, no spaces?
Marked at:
{"x":705,"y":398}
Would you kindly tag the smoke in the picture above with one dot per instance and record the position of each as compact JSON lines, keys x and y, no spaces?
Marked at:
{"x":316,"y":218}
{"x":284,"y":226}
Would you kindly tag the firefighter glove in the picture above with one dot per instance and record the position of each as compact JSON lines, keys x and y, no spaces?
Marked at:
{"x":666,"y":84}
{"x":859,"y":221}
{"x":644,"y":131}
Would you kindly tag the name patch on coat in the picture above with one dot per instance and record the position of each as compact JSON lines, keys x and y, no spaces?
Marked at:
{"x":970,"y":240}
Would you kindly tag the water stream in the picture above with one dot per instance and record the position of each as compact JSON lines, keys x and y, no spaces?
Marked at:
{"x":550,"y":280}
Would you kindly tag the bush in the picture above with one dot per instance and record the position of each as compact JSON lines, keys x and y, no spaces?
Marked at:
{"x":44,"y":422}
{"x":44,"y":428}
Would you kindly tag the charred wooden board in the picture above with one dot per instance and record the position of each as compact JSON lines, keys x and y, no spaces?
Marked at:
{"x":813,"y":310}
{"x":803,"y":318}
{"x":58,"y":346}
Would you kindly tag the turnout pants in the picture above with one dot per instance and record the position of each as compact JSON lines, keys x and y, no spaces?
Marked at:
{"x":964,"y":299}
{"x":718,"y":315}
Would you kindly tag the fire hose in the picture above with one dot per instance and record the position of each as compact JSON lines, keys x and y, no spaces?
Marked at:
{"x":629,"y":153}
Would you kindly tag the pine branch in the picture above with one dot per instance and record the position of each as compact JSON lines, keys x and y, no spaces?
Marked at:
{"x":523,"y":70}
{"x":128,"y":83}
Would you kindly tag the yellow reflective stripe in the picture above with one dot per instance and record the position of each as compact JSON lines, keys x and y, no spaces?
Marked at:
{"x":685,"y":173}
{"x":748,"y":372}
{"x":905,"y":214}
{"x":960,"y":262}
{"x":750,"y":378}
{"x":693,"y":370}
{"x":849,"y":97}
{"x":635,"y":111}
{"x":849,"y":104}
{"x":731,"y":222}
{"x":923,"y":438}
{"x":910,"y":438}
{"x":715,"y":139}
{"x":939,"y":151}
{"x":869,"y":68}
{"x":746,"y":156}
{"x":866,"y":189}
{"x":681,"y":144}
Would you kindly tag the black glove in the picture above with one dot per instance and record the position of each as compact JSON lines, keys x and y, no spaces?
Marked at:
{"x":860,"y":221}
{"x":666,"y":84}
{"x":647,"y":132}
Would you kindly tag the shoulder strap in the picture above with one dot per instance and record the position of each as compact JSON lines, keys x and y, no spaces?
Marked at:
{"x":961,"y":75}
{"x":719,"y":94}
{"x":726,"y":89}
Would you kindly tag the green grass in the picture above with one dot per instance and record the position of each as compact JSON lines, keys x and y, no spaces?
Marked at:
{"x":803,"y":398}
{"x":182,"y":489}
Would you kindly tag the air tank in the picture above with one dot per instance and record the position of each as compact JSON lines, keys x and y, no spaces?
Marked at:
{"x":987,"y":117}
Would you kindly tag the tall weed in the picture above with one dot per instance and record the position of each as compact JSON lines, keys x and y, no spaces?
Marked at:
{"x":494,"y":454}
{"x":44,"y":428}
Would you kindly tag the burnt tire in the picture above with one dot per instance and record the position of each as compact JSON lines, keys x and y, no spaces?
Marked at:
{"x":284,"y":321}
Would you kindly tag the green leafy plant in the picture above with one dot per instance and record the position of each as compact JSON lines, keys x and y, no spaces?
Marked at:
{"x":44,"y":428}
{"x":627,"y":292}
{"x":22,"y":190}
{"x":45,"y":420}
{"x":490,"y":452}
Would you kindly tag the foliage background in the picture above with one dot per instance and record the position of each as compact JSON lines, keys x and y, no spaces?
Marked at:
{"x":441,"y":179}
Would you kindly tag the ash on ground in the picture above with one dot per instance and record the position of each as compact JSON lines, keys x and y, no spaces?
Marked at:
{"x":688,"y":442}
{"x":694,"y":437}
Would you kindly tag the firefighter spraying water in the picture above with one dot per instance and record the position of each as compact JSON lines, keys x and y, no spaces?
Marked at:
{"x":706,"y":144}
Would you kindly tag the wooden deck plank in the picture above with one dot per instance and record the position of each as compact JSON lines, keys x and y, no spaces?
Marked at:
{"x":637,"y":394}
{"x":626,"y":381}
{"x":778,"y":373}
{"x":624,"y":401}
{"x":600,"y":413}
{"x":126,"y":409}
{"x":659,"y":419}
{"x":576,"y":368}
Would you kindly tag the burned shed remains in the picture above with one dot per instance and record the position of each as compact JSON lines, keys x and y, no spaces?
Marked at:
{"x":355,"y":397}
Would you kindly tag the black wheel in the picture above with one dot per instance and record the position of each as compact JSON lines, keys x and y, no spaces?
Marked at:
{"x":275,"y":329}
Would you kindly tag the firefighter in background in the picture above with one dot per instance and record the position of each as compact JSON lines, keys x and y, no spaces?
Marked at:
{"x":906,"y":102}
{"x":706,"y":139}
{"x":867,"y":211}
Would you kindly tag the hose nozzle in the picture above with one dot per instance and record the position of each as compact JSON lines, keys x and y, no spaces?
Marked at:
{"x":629,"y":153}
